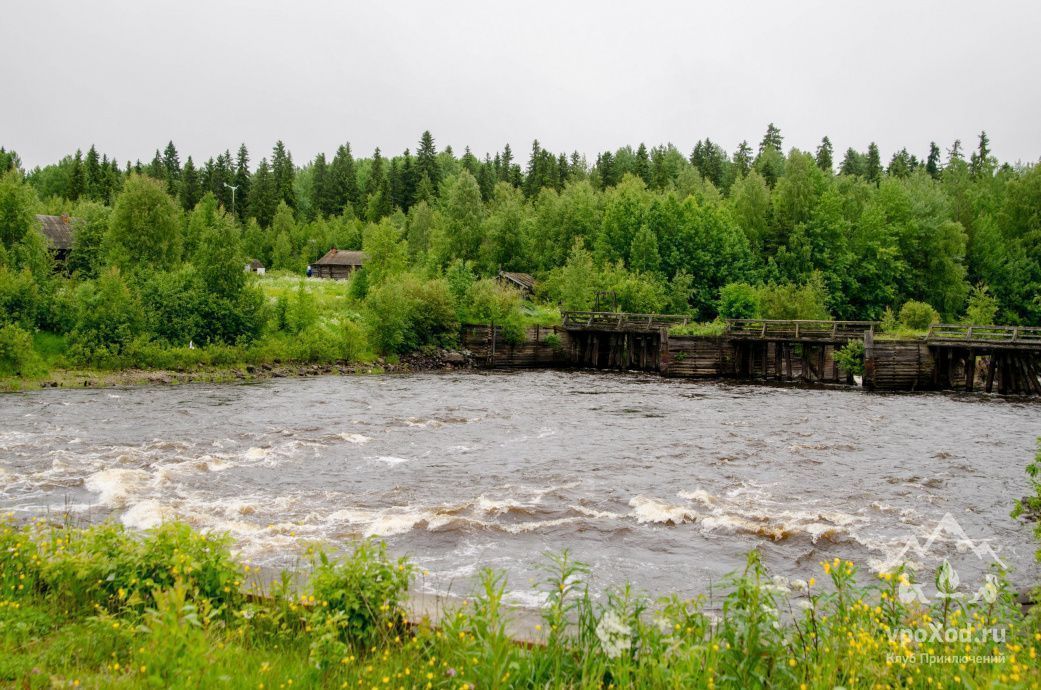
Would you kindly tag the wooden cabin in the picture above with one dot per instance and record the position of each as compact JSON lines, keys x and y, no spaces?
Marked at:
{"x":338,"y":264}
{"x":255,"y":266}
{"x":58,"y":232}
{"x":522,"y":281}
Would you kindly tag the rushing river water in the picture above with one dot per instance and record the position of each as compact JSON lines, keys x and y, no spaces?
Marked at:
{"x":667,"y":484}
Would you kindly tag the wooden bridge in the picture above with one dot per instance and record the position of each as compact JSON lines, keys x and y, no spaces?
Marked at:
{"x":620,"y":321}
{"x":949,"y":357}
{"x":1008,"y":355}
{"x":837,"y":332}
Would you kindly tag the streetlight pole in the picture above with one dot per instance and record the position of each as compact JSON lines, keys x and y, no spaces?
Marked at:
{"x":233,"y":188}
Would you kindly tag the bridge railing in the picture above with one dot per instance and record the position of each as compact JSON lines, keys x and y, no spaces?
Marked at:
{"x":606,"y":320}
{"x":1026,"y":335}
{"x":799,"y":329}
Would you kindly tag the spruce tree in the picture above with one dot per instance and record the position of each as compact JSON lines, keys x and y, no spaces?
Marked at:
{"x":92,"y":175}
{"x":564,"y":170}
{"x":242,"y":183}
{"x":426,"y":159}
{"x":981,"y":163}
{"x":171,"y":169}
{"x":932,"y":164}
{"x":77,"y":180}
{"x":643,"y":165}
{"x":771,"y":140}
{"x":323,"y":201}
{"x":606,"y":167}
{"x":283,"y":173}
{"x":506,"y":165}
{"x":263,"y":197}
{"x":852,"y":163}
{"x":156,"y":170}
{"x":377,"y":190}
{"x":824,"y":155}
{"x":902,"y":164}
{"x":409,"y":181}
{"x":743,"y":158}
{"x":190,"y":193}
{"x":873,"y":164}
{"x":345,"y":192}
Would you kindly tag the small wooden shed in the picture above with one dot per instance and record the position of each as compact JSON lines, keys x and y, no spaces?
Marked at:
{"x":338,"y":264}
{"x":522,"y":281}
{"x":255,"y":266}
{"x":58,"y":232}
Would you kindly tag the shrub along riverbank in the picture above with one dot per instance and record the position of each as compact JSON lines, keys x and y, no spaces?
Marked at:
{"x":101,"y":607}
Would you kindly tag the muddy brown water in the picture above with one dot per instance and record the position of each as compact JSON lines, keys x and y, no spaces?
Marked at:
{"x":666,"y":484}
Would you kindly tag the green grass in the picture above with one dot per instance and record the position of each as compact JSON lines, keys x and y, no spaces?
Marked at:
{"x":101,"y":607}
{"x":717,"y":327}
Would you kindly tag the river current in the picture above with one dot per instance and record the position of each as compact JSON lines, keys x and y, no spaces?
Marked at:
{"x":667,"y":484}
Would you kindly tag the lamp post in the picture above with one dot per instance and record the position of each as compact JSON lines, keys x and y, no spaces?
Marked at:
{"x":233,"y":188}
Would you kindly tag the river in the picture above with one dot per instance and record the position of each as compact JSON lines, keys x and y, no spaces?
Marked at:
{"x":667,"y":484}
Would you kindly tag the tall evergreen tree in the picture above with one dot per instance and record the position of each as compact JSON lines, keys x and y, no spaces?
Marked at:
{"x":242,"y":183}
{"x":824,"y":155}
{"x":852,"y":163}
{"x":92,"y":183}
{"x":982,"y":163}
{"x":323,"y":200}
{"x":771,"y":140}
{"x":77,"y":178}
{"x":901,"y":164}
{"x":873,"y":164}
{"x":506,"y":165}
{"x":263,"y":196}
{"x":743,"y":159}
{"x":377,"y":190}
{"x":605,"y":166}
{"x":409,"y":181}
{"x":156,"y":169}
{"x":171,"y":169}
{"x":932,"y":163}
{"x":283,"y":173}
{"x":954,"y":153}
{"x":426,"y":159}
{"x":190,"y":188}
{"x":643,"y":164}
{"x":345,"y":192}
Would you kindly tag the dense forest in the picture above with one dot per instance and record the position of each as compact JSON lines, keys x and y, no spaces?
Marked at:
{"x":159,"y":246}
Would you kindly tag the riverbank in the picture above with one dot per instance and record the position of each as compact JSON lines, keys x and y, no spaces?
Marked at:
{"x":101,"y":607}
{"x":434,"y":360}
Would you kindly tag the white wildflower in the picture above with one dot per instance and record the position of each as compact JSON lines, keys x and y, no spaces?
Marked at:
{"x":615,"y":636}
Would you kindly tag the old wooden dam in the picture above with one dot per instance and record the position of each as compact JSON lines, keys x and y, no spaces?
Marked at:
{"x":998,"y":359}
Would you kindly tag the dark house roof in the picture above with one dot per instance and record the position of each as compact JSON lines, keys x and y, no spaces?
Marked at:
{"x":255,"y":264}
{"x":337,"y":257}
{"x":57,"y":230}
{"x":521,"y":280}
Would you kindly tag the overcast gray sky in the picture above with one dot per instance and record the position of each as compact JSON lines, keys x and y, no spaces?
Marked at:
{"x":129,"y":76}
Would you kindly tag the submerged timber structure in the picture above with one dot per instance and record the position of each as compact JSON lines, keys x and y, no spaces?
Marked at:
{"x":1001,"y":359}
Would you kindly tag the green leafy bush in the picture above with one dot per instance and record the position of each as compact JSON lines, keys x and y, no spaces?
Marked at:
{"x":109,"y":315}
{"x":19,"y":298}
{"x":408,"y":313}
{"x":851,"y":357}
{"x":360,"y":595}
{"x":18,"y":357}
{"x":982,"y":309}
{"x":791,"y":301}
{"x":738,"y":301}
{"x":918,"y":315}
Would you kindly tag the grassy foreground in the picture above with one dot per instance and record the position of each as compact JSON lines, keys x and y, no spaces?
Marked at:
{"x":101,"y":607}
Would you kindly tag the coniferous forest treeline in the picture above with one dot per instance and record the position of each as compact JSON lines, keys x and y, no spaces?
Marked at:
{"x":158,"y":251}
